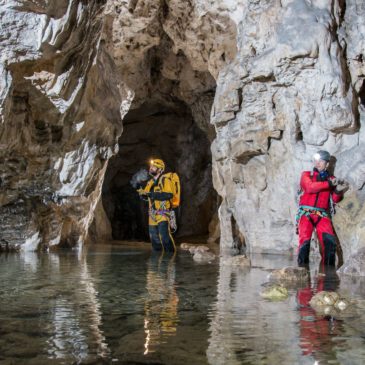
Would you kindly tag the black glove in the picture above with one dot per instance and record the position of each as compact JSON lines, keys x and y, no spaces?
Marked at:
{"x":341,"y":188}
{"x":159,"y":195}
{"x":333,"y":182}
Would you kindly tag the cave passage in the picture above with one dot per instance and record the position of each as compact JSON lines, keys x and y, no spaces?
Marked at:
{"x":157,"y":131}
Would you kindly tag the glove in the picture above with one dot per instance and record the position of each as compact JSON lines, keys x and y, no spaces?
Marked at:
{"x":141,"y":192}
{"x":333,"y":182}
{"x":340,"y":188}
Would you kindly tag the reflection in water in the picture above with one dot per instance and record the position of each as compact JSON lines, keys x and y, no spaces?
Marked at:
{"x":222,"y":341}
{"x":59,"y":290}
{"x":121,"y":305}
{"x":317,"y":332}
{"x":248,"y":329}
{"x":161,"y":316}
{"x":69,"y":334}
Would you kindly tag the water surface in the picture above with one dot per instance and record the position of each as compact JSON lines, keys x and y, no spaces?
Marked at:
{"x":125,"y":305}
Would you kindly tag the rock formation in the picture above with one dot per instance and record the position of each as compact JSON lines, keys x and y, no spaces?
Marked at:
{"x":60,"y":115}
{"x":294,"y":93}
{"x":268,"y":82}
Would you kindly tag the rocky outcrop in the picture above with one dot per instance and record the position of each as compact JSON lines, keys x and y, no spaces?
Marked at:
{"x":355,"y":264}
{"x":60,"y":115}
{"x":289,"y":92}
{"x":268,"y":82}
{"x":69,"y":74}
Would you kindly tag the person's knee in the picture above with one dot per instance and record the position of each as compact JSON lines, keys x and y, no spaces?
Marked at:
{"x":155,"y":238}
{"x":329,"y":245}
{"x":167,"y":240}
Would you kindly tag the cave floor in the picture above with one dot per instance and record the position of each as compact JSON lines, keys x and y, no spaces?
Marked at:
{"x":119,"y":303}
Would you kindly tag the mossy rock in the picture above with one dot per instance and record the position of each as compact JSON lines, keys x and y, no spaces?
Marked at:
{"x":290,"y":274}
{"x":275,"y":292}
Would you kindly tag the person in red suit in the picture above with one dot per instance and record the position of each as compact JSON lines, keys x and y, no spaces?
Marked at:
{"x":320,"y":192}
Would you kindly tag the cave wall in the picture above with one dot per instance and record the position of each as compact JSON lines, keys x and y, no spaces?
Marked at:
{"x":288,"y":77}
{"x":294,"y":88}
{"x":60,"y":119}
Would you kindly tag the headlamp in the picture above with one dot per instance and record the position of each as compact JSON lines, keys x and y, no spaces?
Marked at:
{"x":317,"y":156}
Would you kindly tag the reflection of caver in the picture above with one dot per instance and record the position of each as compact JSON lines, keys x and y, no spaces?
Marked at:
{"x":161,"y":316}
{"x":320,"y":190}
{"x":316,"y":330}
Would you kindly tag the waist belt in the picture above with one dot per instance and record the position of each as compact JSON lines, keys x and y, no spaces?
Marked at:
{"x":308,"y":207}
{"x":163,"y":212}
{"x":307,"y":211}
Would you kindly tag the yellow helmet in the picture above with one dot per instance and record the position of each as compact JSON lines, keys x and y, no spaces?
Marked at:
{"x":158,"y":163}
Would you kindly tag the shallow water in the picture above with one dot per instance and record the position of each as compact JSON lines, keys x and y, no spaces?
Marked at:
{"x":124,"y":305}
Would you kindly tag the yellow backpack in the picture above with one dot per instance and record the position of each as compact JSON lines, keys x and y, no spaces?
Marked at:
{"x":176,"y":189}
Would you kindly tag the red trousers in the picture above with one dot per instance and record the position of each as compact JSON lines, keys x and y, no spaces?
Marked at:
{"x":326,"y":238}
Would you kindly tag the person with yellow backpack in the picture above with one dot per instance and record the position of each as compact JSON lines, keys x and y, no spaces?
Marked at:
{"x":163,"y":193}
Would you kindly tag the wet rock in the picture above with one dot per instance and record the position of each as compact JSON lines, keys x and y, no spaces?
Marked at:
{"x":186,"y":246}
{"x":238,"y":260}
{"x":4,"y":246}
{"x":194,"y":248}
{"x":342,"y":304}
{"x":199,"y":248}
{"x":275,"y":292}
{"x":204,"y":256}
{"x":329,"y":303}
{"x":354,"y":265}
{"x":324,"y":298}
{"x":291,"y":274}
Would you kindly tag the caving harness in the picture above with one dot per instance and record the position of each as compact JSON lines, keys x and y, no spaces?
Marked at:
{"x":169,"y":214}
{"x":307,"y":211}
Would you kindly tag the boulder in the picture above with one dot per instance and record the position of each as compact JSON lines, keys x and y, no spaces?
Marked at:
{"x":354,"y":265}
{"x":291,"y":274}
{"x":238,"y":260}
{"x":329,"y":303}
{"x":199,"y":248}
{"x":186,"y":246}
{"x":204,"y":256}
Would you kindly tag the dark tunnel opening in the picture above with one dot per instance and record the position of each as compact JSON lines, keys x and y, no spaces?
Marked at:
{"x":170,"y":133}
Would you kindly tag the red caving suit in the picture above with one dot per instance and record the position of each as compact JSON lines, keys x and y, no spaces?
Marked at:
{"x":314,"y":213}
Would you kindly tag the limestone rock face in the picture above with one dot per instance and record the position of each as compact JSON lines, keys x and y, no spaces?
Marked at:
{"x":355,"y":264}
{"x":60,"y":115}
{"x":268,"y":82}
{"x":291,"y":90}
